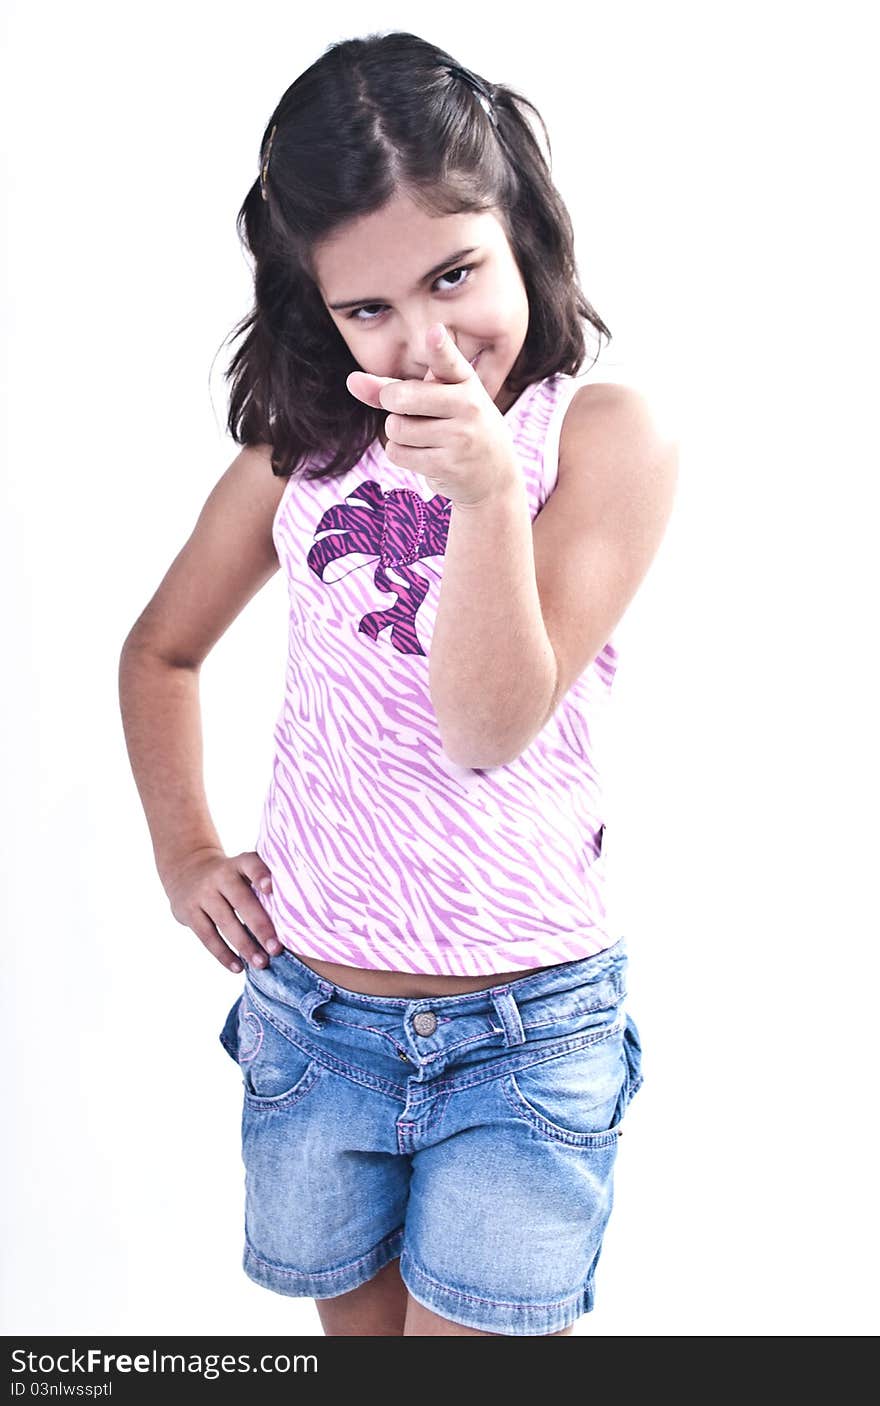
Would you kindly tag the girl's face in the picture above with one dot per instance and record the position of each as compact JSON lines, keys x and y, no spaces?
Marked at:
{"x":388,"y":276}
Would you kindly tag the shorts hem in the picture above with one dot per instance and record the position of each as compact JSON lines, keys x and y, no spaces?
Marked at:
{"x":492,"y":1316}
{"x":321,"y":1284}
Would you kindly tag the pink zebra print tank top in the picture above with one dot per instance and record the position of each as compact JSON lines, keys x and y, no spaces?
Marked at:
{"x":384,"y":853}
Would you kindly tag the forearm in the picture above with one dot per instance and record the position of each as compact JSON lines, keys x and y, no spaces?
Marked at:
{"x":161,"y":720}
{"x":492,"y":669}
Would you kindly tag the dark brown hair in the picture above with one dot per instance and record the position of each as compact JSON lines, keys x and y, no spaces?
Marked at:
{"x":371,"y":118}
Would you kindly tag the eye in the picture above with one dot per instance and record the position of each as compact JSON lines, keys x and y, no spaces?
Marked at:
{"x":462,"y":268}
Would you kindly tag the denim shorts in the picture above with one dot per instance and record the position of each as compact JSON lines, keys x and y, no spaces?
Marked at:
{"x":474,"y":1136}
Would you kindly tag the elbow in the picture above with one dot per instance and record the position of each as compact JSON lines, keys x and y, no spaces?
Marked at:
{"x":125,"y":651}
{"x":467,"y":752}
{"x":134,"y":639}
{"x":501,"y":745}
{"x":475,"y":761}
{"x":132,"y":647}
{"x":485,"y":756}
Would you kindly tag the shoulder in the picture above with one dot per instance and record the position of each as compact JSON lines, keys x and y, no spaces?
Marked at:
{"x":254,"y":482}
{"x":255,"y":462}
{"x":602,"y":525}
{"x":246,"y":498}
{"x":618,"y":428}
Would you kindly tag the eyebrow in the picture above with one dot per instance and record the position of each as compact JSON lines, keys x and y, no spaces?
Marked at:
{"x":438,"y":268}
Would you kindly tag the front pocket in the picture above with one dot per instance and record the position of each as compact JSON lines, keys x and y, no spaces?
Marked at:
{"x":276,"y":1072}
{"x":577,"y":1096}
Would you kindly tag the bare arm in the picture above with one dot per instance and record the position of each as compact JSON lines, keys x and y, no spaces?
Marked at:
{"x":525,"y":607}
{"x":227,"y":559}
{"x":161,"y":717}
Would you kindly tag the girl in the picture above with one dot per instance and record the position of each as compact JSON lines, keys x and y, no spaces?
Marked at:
{"x":431,"y":1033}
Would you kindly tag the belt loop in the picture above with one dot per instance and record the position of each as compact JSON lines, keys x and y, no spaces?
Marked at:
{"x":316,"y":997}
{"x":508,"y":1014}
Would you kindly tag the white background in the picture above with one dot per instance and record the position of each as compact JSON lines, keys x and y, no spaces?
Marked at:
{"x":719,"y":162}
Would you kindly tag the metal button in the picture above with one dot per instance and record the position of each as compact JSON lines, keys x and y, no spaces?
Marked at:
{"x":425,"y":1022}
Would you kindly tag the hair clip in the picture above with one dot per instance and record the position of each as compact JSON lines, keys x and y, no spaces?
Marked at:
{"x":476,"y":87}
{"x":264,"y":171}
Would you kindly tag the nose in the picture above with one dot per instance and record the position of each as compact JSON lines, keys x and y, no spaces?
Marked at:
{"x":413,"y":351}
